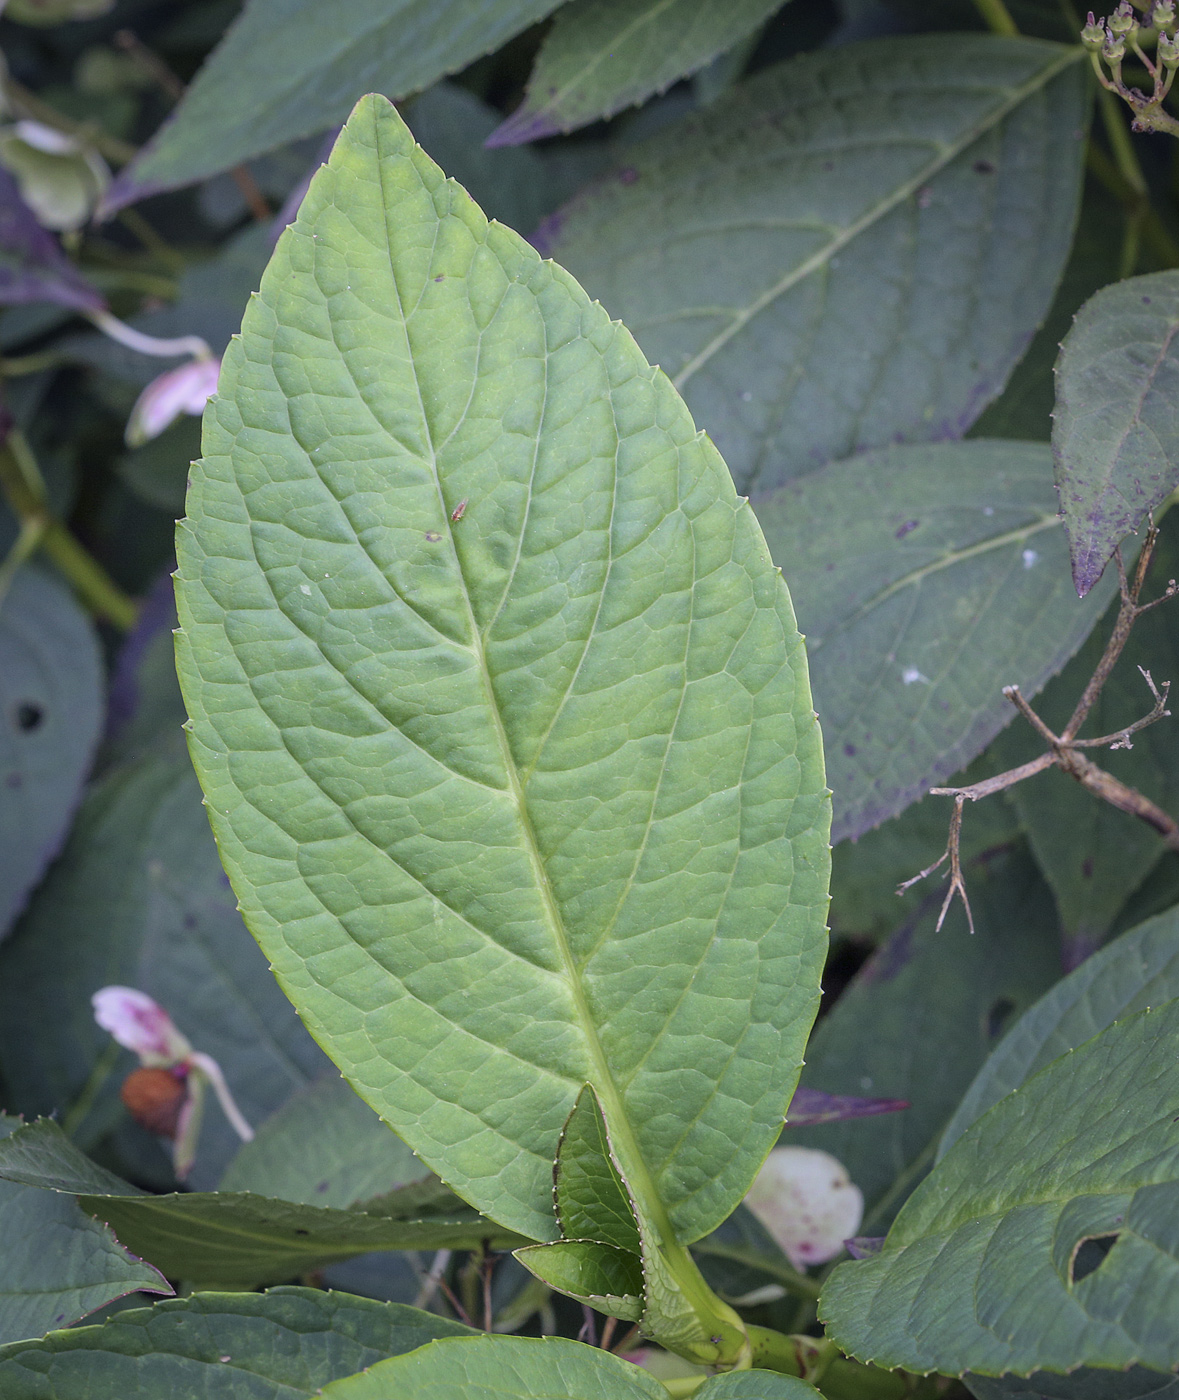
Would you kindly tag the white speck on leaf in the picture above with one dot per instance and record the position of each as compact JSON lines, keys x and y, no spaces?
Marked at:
{"x":305,"y":588}
{"x":911,"y":675}
{"x":1029,"y":558}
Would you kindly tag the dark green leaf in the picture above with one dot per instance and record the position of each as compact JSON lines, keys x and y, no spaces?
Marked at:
{"x":1116,"y":429}
{"x":57,"y":1263}
{"x":849,"y":249}
{"x":603,"y":55}
{"x":755,"y":1385}
{"x":1141,"y":969}
{"x":50,"y":717}
{"x":926,"y":578}
{"x":139,"y":898}
{"x":238,"y":1239}
{"x":1093,"y":855}
{"x":467,"y":807}
{"x":289,"y":68}
{"x":920,"y":1019}
{"x":324,"y":1147}
{"x":1135,"y":1384}
{"x":590,"y":1197}
{"x":984,"y":1270}
{"x":280,"y":1345}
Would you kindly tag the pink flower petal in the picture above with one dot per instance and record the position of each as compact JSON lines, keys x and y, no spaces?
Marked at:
{"x":141,"y":1024}
{"x":183,"y":390}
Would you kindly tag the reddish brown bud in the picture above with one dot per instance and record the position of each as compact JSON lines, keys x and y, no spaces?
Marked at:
{"x":155,"y":1097}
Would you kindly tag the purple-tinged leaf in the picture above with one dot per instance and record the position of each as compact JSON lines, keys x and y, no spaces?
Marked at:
{"x":1116,"y":432}
{"x":864,"y":1246}
{"x":32,"y":265}
{"x":811,"y":1106}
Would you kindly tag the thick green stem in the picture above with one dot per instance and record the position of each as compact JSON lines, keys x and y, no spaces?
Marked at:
{"x":24,"y":488}
{"x":998,"y":21}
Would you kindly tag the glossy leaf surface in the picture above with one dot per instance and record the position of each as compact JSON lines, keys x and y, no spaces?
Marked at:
{"x":499,"y":704}
{"x":983,"y":1268}
{"x":50,"y":719}
{"x":603,"y":55}
{"x":290,"y":68}
{"x":1116,"y":428}
{"x":1086,"y":1384}
{"x":239,"y":1239}
{"x":1140,"y":969}
{"x":280,"y":1345}
{"x":850,"y":249}
{"x":57,"y":1263}
{"x":926,"y":578}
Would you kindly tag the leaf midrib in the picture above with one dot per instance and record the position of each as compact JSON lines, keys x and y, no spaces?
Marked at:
{"x":636,"y":1171}
{"x":947,"y":152}
{"x":918,"y":576}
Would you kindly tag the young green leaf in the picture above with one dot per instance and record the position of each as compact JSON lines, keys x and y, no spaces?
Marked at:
{"x":500,"y":707}
{"x":57,"y":1264}
{"x":281,"y":1345}
{"x":591,"y":1198}
{"x":1140,"y":969}
{"x":290,"y":68}
{"x":600,"y":1275}
{"x":850,"y":249}
{"x":1045,"y":1238}
{"x":603,"y":55}
{"x":926,"y":578}
{"x":240,"y":1239}
{"x":1116,"y":430}
{"x":50,"y":717}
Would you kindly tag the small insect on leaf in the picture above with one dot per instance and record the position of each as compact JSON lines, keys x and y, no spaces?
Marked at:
{"x":459,"y":511}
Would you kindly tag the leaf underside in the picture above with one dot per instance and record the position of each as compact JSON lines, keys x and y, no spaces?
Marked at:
{"x":499,"y":706}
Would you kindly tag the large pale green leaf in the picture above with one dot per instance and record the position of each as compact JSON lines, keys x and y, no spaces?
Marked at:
{"x":57,"y":1263}
{"x":537,"y":1368}
{"x":920,"y":1019}
{"x":499,"y":706}
{"x":139,"y":898}
{"x":849,"y":249}
{"x":1116,"y":427}
{"x":238,"y":1239}
{"x":1141,"y":969}
{"x":289,"y":68}
{"x":50,"y":718}
{"x":984,"y":1270}
{"x":281,"y":1345}
{"x":926,"y":579}
{"x":1093,"y":855}
{"x":603,"y":55}
{"x":324,"y":1147}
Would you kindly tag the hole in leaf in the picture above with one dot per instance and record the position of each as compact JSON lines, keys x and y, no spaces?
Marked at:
{"x":1089,"y":1256}
{"x":998,"y":1016}
{"x":29,"y":716}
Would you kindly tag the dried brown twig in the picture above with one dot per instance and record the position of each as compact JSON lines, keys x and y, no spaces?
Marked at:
{"x":1063,"y":749}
